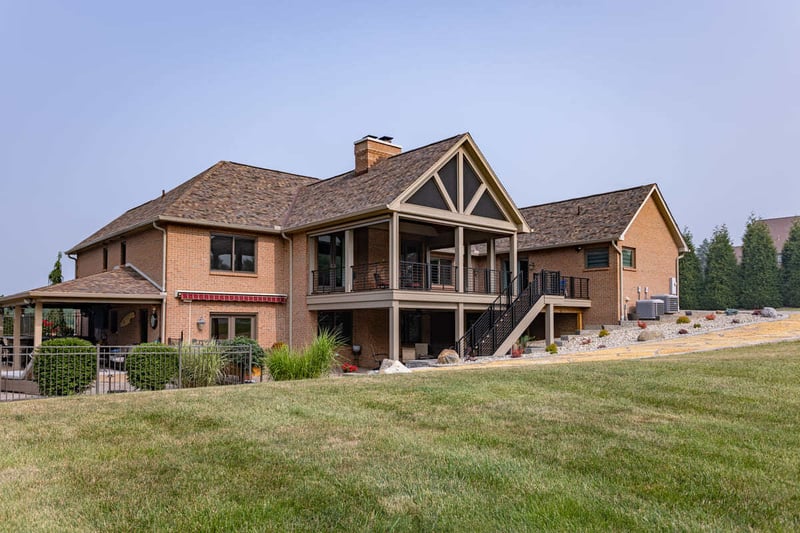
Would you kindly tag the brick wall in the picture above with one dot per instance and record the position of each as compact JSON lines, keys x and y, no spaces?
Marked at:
{"x":656,"y":255}
{"x":188,"y":268}
{"x":143,"y":250}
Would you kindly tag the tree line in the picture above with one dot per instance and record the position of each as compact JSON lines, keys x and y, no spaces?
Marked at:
{"x":711,"y":278}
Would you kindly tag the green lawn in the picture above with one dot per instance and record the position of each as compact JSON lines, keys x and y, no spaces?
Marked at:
{"x":702,"y":442}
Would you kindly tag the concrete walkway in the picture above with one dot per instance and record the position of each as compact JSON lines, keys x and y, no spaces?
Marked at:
{"x":787,"y":329}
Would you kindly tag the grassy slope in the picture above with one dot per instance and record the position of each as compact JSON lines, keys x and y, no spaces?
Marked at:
{"x":709,"y":441}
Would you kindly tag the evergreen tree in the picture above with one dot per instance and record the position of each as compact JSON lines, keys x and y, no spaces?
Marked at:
{"x":690,"y":275}
{"x":790,"y":267}
{"x":721,"y":273}
{"x":760,"y":277}
{"x":55,"y":275}
{"x":702,"y":254}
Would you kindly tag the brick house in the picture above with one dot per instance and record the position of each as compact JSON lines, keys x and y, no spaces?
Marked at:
{"x":393,"y":254}
{"x":626,"y":243}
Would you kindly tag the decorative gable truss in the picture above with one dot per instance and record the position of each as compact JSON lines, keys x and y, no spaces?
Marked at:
{"x":458,"y":187}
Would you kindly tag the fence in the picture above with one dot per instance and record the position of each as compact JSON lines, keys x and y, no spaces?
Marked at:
{"x":67,"y":370}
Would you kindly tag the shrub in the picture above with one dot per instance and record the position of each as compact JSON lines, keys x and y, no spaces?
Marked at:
{"x":551,"y":348}
{"x":239,"y":356}
{"x":65,"y":366}
{"x":603,"y":333}
{"x":683,"y":320}
{"x":285,"y":363}
{"x":202,"y":366}
{"x":152,"y":365}
{"x":697,"y":325}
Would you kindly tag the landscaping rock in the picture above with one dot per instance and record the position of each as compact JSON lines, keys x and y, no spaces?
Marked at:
{"x":730,"y":312}
{"x":389,"y":366}
{"x":683,"y":331}
{"x":650,"y":335}
{"x":769,"y":312}
{"x":448,"y":357}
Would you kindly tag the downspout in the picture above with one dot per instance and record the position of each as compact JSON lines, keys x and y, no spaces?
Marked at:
{"x":163,"y":281}
{"x":76,"y":264}
{"x":291,"y":282}
{"x":621,"y":308}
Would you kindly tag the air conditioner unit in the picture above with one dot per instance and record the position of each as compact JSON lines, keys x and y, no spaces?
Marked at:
{"x":670,"y":303}
{"x":649,"y":309}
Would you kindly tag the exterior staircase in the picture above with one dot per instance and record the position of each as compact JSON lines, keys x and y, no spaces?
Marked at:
{"x":504,"y":321}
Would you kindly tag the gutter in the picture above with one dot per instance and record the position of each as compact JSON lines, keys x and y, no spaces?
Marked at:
{"x":163,"y":231}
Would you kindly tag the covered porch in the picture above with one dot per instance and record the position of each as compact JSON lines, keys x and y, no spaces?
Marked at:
{"x":118,"y":307}
{"x":406,"y":254}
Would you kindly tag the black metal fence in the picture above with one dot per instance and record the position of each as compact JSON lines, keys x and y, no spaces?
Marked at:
{"x":48,"y":371}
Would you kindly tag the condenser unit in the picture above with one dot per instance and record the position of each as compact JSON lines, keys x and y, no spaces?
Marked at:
{"x":649,"y":309}
{"x":670,"y":303}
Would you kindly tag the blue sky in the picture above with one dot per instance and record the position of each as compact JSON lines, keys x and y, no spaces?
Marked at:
{"x":104,"y":104}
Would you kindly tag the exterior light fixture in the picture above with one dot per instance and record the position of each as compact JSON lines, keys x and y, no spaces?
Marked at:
{"x":201,"y":323}
{"x":153,"y":319}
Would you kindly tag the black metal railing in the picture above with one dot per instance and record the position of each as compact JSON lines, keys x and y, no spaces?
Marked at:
{"x":484,"y":280}
{"x":371,"y":276}
{"x":504,"y":314}
{"x":328,"y":280}
{"x":427,"y":276}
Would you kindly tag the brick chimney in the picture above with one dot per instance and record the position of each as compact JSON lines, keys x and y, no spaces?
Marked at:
{"x":371,"y":149}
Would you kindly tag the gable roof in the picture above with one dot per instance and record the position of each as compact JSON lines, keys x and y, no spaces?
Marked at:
{"x":225,"y":194}
{"x":779,"y":229}
{"x":118,"y":283}
{"x":589,"y":219}
{"x":351,"y":193}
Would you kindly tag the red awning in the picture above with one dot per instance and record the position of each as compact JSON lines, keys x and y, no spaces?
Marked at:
{"x":232,"y":297}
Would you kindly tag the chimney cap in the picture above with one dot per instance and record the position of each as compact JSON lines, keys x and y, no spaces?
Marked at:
{"x":386,"y":139}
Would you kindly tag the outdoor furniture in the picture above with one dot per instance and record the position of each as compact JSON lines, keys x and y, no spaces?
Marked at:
{"x":379,"y":282}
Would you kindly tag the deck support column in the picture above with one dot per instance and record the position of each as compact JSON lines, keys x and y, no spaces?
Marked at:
{"x":491,"y":264}
{"x":459,"y":258}
{"x":348,"y":261}
{"x":17,"y":337}
{"x":512,"y":262}
{"x":394,"y":251}
{"x":549,"y":324}
{"x":37,"y":324}
{"x":394,"y":332}
{"x":460,"y":322}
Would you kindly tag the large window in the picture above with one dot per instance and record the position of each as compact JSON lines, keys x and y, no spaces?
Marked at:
{"x":230,"y":326}
{"x":232,"y":253}
{"x":330,"y":260}
{"x":629,"y":258}
{"x":597,"y":257}
{"x":441,"y":272}
{"x":340,"y":322}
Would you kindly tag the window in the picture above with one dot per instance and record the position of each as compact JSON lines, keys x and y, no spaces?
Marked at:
{"x":233,"y":253}
{"x":230,"y":326}
{"x":330,"y":260}
{"x":340,"y":322}
{"x":123,"y":253}
{"x":105,"y":258}
{"x":441,"y":272}
{"x":629,"y":258}
{"x":597,"y":258}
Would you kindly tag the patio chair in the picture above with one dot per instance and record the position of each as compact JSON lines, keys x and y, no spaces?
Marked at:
{"x":379,"y":282}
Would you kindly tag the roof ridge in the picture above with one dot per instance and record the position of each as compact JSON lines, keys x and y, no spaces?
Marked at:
{"x":649,"y":185}
{"x":270,"y":169}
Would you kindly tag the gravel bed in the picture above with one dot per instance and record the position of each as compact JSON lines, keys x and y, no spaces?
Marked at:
{"x":628,"y":333}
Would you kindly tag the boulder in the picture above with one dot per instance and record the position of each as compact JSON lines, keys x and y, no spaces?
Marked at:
{"x":389,"y":366}
{"x":683,"y":331}
{"x":769,"y":312}
{"x":448,"y":357}
{"x":730,"y":311}
{"x":649,"y":335}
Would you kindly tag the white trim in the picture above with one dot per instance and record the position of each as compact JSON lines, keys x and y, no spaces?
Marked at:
{"x":352,"y":225}
{"x":443,"y":192}
{"x":475,"y":199}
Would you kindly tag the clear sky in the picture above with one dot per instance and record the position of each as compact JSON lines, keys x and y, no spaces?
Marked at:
{"x":104,"y":104}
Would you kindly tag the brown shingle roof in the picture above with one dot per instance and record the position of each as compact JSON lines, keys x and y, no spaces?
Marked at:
{"x":350,"y":193}
{"x":227,"y":193}
{"x":596,"y":218}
